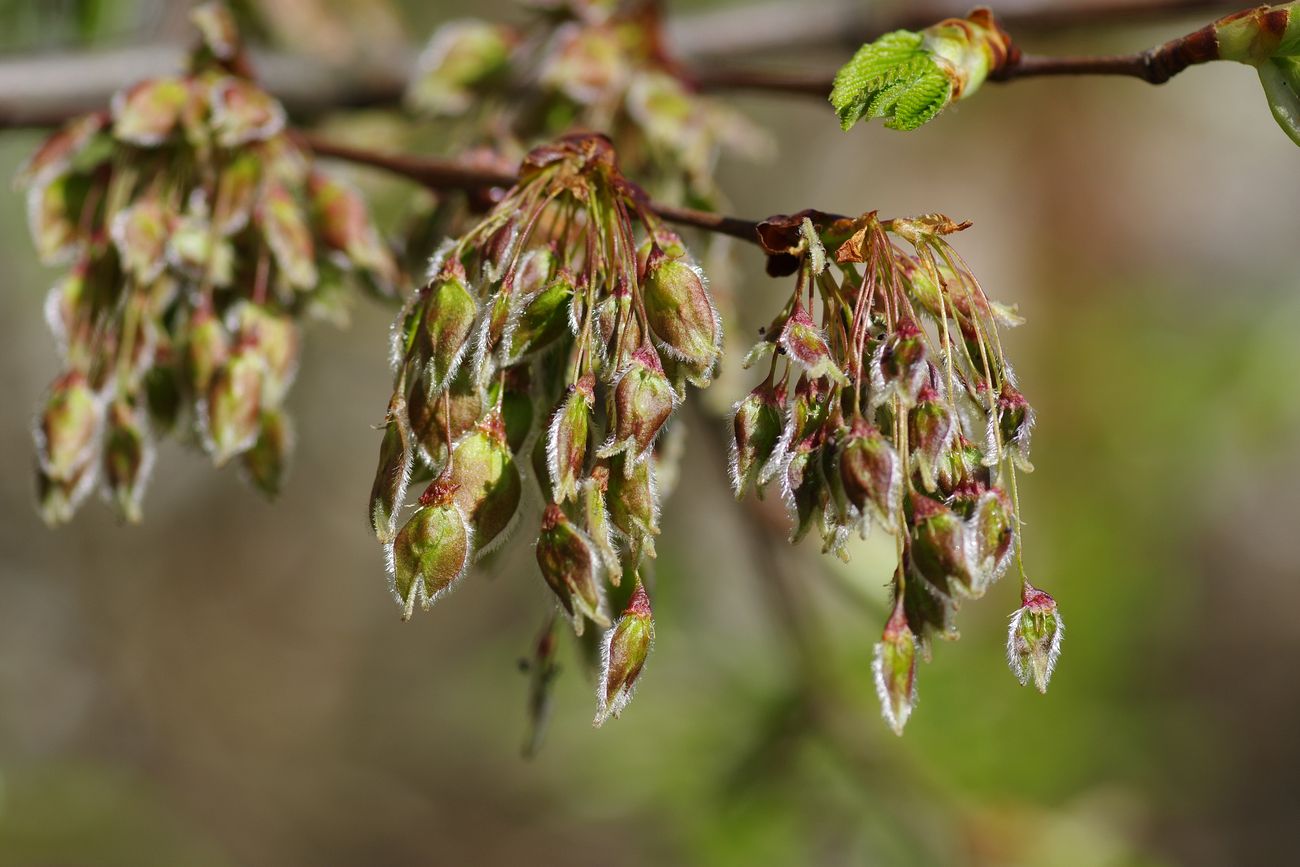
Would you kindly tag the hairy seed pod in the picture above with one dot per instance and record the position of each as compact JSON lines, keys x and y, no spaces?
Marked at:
{"x":449,"y":311}
{"x":540,"y":318}
{"x":284,"y":226}
{"x":755,"y":433}
{"x":932,"y":429}
{"x":486,"y":480}
{"x":804,"y":344}
{"x":963,"y":465}
{"x":898,"y":366}
{"x":513,"y":394}
{"x":566,"y":440}
{"x":680,"y":312}
{"x":275,"y":337}
{"x":1034,"y":638}
{"x":431,"y":552}
{"x":571,"y":569}
{"x":1015,"y":420}
{"x":267,"y":462}
{"x":871,"y":475}
{"x":207,"y":346}
{"x":991,"y":524}
{"x":643,"y":401}
{"x":804,"y":487}
{"x":146,"y":113}
{"x":459,"y":408}
{"x":139,"y":232}
{"x":396,"y":457}
{"x":633,"y":502}
{"x":929,"y":612}
{"x":596,"y":520}
{"x":68,"y":428}
{"x":894,"y":669}
{"x":232,"y":410}
{"x":623,"y":654}
{"x":941,"y":548}
{"x":128,"y":458}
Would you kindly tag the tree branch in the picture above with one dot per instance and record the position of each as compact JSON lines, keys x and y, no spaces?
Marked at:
{"x":445,"y":174}
{"x":45,"y":90}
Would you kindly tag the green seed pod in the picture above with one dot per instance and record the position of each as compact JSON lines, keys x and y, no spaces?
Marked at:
{"x":139,"y":233}
{"x":284,"y":226}
{"x":207,"y":346}
{"x":275,"y":337}
{"x":929,"y":612}
{"x":1015,"y":421}
{"x":894,"y":668}
{"x":755,"y":434}
{"x":459,"y":407}
{"x":396,"y":457}
{"x":267,"y":462}
{"x":643,"y":401}
{"x":1034,"y":638}
{"x":432,"y":551}
{"x":448,"y":319}
{"x":804,"y":488}
{"x":53,"y":209}
{"x":343,"y":221}
{"x":941,"y":548}
{"x":633,"y":502}
{"x":541,"y":471}
{"x":963,"y":465}
{"x":231,"y":412}
{"x":596,"y":520}
{"x":991,"y":524}
{"x":60,"y":150}
{"x":241,"y":112}
{"x":162,"y":396}
{"x":571,"y":569}
{"x":56,"y":499}
{"x":803,"y":343}
{"x":460,"y":56}
{"x":932,"y":430}
{"x":68,"y":428}
{"x":566,"y":440}
{"x":870,"y":472}
{"x":145,"y":114}
{"x":486,"y":480}
{"x":623,"y":654}
{"x":898,"y":366}
{"x":128,"y":458}
{"x":680,"y":312}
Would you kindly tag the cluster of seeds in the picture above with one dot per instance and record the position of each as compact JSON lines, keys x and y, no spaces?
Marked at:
{"x":198,"y":234}
{"x":888,"y":401}
{"x":583,"y":65}
{"x":554,"y":340}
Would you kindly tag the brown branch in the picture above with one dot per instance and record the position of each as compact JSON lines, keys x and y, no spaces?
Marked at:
{"x":445,"y":174}
{"x":1154,"y":66}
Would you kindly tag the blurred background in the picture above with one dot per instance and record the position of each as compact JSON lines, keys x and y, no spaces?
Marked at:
{"x":229,"y":683}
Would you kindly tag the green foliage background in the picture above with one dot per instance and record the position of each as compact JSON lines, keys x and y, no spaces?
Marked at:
{"x":229,"y":684}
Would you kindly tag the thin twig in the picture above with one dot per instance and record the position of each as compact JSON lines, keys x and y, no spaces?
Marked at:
{"x":445,"y":174}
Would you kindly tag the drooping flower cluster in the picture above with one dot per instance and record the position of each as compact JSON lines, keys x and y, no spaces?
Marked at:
{"x":583,"y":65}
{"x":554,"y":340}
{"x":888,"y":402}
{"x":199,"y":234}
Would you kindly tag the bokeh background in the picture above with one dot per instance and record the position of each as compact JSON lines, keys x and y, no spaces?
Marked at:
{"x":229,"y":684}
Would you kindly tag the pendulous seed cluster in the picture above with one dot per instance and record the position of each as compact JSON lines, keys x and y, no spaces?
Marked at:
{"x":199,"y":234}
{"x":553,"y":341}
{"x":888,"y":402}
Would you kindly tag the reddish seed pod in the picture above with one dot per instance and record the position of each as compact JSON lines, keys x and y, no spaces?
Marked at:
{"x":623,"y":654}
{"x":570,"y":566}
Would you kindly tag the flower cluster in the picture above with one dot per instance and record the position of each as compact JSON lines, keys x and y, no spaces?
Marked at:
{"x":897,"y":409}
{"x":587,"y":65}
{"x":554,"y":340}
{"x":199,"y":234}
